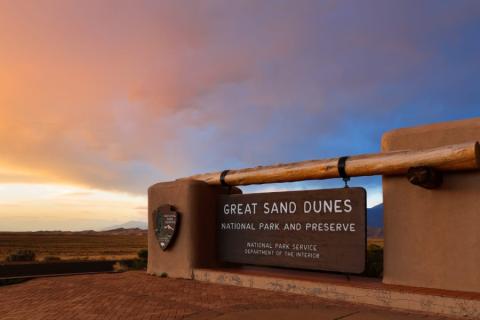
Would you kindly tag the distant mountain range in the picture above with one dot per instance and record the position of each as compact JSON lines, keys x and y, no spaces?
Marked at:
{"x":375,"y":221}
{"x":128,"y":225}
{"x":118,"y":231}
{"x":375,"y":216}
{"x":374,"y":226}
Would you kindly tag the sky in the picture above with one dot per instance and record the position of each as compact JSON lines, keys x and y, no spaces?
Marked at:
{"x":101,"y":99}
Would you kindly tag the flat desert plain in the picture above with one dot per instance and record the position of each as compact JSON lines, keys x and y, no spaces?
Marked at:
{"x":91,"y":245}
{"x":377,"y":241}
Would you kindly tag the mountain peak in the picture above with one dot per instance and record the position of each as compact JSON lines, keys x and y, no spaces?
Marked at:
{"x":128,"y":225}
{"x":375,"y":216}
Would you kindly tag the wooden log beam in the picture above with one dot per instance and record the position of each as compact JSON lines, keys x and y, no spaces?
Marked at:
{"x":458,"y":157}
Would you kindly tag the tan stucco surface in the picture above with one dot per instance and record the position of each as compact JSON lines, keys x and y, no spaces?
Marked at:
{"x":432,"y":237}
{"x":194,"y":243}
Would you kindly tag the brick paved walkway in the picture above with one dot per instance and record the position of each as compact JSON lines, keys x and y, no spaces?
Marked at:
{"x":136,"y":295}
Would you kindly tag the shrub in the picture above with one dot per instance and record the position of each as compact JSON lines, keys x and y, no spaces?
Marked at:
{"x":133,"y":264}
{"x":374,"y":266}
{"x":139,"y":263}
{"x":22,"y":255}
{"x":6,"y":282}
{"x":120,"y":266}
{"x":51,"y":258}
{"x":143,"y":254}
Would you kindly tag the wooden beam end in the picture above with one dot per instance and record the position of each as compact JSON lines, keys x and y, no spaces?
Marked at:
{"x":425,"y":177}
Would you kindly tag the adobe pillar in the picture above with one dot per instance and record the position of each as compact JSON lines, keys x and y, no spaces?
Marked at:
{"x":432,"y":237}
{"x":194,"y":241}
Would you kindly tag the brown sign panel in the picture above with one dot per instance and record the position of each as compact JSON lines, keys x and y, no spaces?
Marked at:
{"x":314,"y":229}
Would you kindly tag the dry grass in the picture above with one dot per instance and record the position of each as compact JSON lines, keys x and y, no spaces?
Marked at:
{"x":73,"y":245}
{"x":377,"y":241}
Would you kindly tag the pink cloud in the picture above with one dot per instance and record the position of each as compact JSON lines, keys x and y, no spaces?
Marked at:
{"x":120,"y":94}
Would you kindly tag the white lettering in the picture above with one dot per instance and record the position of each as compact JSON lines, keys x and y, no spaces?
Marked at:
{"x":348,"y":206}
{"x":307,"y":207}
{"x":266,"y":208}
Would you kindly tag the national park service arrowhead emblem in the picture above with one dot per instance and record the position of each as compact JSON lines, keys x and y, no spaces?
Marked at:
{"x":165,"y":223}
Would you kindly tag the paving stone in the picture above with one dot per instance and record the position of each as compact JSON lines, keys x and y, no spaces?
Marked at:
{"x":136,"y":295}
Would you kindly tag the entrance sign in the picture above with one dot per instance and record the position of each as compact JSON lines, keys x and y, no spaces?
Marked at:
{"x":314,"y":229}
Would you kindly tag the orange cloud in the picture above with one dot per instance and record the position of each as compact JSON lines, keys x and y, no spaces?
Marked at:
{"x":120,"y":94}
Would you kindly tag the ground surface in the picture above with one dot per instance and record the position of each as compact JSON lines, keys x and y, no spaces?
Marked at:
{"x":116,"y":244}
{"x":90,"y":245}
{"x":136,"y":295}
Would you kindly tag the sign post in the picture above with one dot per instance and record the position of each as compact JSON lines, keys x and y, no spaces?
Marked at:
{"x":315,"y":229}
